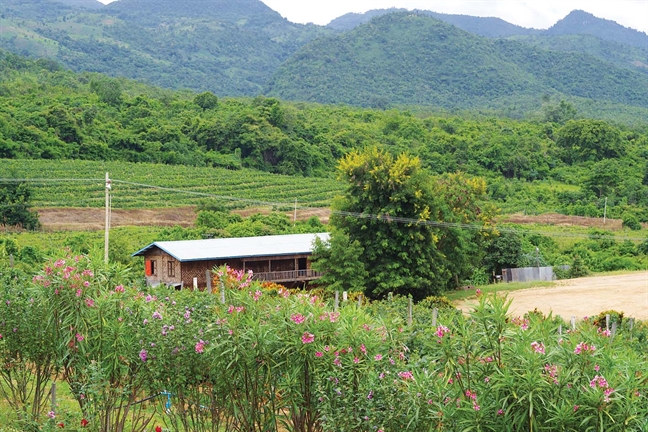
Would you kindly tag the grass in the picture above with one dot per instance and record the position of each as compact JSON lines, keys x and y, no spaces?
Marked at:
{"x":459,"y":295}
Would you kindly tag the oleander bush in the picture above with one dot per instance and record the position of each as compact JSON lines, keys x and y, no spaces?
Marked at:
{"x":270,"y":360}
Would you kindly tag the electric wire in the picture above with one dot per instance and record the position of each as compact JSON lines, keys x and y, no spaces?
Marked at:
{"x":369,"y":216}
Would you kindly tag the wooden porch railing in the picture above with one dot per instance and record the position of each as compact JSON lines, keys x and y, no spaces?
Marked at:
{"x":287,"y":276}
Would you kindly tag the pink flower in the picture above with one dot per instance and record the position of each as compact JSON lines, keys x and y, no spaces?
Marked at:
{"x":51,"y":414}
{"x":79,"y":292}
{"x":538,"y":347}
{"x":576,"y":407}
{"x":476,"y":407}
{"x":298,"y":318}
{"x":200,"y":346}
{"x":119,"y":288}
{"x":500,"y":412}
{"x":356,"y":360}
{"x":86,"y":284}
{"x":307,"y":338}
{"x":406,"y":375}
{"x":363,"y":349}
{"x":143,"y":355}
{"x":583,"y":348}
{"x":89,"y":302}
{"x":478,"y":292}
{"x":157,"y":315}
{"x":319,"y":354}
{"x":442,"y":330}
{"x":378,"y":357}
{"x":79,"y":337}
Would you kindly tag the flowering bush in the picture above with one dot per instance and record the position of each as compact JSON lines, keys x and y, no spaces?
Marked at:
{"x":252,"y":361}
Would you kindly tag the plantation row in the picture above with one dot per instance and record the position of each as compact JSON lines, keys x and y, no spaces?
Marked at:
{"x":88,"y":189}
{"x":262,"y":358}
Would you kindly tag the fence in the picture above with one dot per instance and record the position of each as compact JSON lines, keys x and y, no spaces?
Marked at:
{"x":528,"y":274}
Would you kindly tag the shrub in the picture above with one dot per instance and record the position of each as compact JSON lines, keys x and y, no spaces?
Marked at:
{"x":631,"y":221}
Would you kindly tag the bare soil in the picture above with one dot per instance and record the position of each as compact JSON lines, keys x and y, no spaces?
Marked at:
{"x":582,"y":297}
{"x":91,"y":219}
{"x":563,"y":220}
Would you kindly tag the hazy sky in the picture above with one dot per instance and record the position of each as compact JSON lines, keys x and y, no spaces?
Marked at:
{"x":527,"y":13}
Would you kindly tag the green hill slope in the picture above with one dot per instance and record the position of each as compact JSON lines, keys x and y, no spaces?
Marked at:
{"x":411,"y":59}
{"x":581,"y":22}
{"x":481,"y":26}
{"x":229,"y":47}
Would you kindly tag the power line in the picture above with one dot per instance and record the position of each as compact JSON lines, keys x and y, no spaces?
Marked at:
{"x":45,"y":180}
{"x":378,"y":217}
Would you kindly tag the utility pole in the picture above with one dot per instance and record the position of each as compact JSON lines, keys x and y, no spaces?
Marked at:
{"x":295,"y":215}
{"x":108,"y":187}
{"x":605,"y":211}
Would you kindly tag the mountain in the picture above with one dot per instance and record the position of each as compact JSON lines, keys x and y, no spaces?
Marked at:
{"x":581,"y":22}
{"x":621,"y":55}
{"x":87,"y":4}
{"x":246,"y":13}
{"x":408,"y":58}
{"x":482,"y":26}
{"x":352,"y":20}
{"x":230,"y":47}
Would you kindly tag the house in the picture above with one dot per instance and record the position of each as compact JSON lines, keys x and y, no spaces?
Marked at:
{"x":281,"y":258}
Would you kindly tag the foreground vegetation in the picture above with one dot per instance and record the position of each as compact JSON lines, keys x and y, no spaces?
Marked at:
{"x":262,"y":359}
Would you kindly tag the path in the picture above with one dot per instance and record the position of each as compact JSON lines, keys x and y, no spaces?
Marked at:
{"x":584,"y":297}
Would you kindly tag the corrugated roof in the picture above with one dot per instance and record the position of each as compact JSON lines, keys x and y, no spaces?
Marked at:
{"x":240,"y":247}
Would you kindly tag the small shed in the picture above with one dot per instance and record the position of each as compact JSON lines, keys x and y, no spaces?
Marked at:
{"x":282,"y":259}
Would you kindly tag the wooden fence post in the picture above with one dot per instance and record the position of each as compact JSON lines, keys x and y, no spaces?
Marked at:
{"x":435,"y":315}
{"x":345,"y":296}
{"x":573,"y":322}
{"x":607,"y":321}
{"x":53,"y":395}
{"x":208,"y":277}
{"x":222,"y":291}
{"x":409,"y":312}
{"x":360,"y":300}
{"x":337,"y":300}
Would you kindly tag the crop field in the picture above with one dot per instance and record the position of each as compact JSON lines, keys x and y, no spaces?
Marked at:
{"x":75,"y":183}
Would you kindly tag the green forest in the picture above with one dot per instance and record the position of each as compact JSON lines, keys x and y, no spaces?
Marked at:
{"x":557,"y":161}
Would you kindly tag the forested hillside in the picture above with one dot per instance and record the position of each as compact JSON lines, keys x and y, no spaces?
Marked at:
{"x":558,"y":162}
{"x":578,"y":32}
{"x":406,"y":58}
{"x":481,"y":26}
{"x":244,"y":48}
{"x":225,"y":46}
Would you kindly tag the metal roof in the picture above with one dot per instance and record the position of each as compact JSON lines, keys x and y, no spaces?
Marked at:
{"x":240,"y":247}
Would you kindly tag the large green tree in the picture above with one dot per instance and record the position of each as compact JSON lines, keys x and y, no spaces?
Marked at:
{"x":14,"y":205}
{"x":390,"y":212}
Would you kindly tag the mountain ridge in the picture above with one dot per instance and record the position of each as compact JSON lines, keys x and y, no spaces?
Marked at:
{"x":431,"y":62}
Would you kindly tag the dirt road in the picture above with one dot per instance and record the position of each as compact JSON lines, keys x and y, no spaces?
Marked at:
{"x":584,"y":297}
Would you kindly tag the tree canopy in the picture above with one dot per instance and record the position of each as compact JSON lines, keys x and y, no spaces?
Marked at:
{"x":393,"y":214}
{"x":14,"y":206}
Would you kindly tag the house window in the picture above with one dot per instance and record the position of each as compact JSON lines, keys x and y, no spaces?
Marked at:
{"x":171,"y":269}
{"x":153,"y":267}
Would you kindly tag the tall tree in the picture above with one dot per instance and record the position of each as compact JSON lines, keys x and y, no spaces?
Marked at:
{"x":386,"y":212}
{"x":14,"y":205}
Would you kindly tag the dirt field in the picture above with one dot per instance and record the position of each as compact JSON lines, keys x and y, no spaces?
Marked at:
{"x":90,"y":219}
{"x":61,"y":219}
{"x":584,"y":297}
